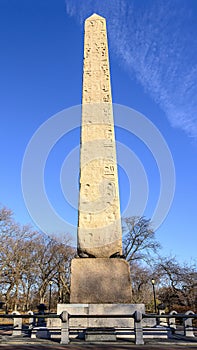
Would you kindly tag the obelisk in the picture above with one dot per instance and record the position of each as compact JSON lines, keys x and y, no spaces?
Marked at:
{"x":99,"y":275}
{"x":99,"y":224}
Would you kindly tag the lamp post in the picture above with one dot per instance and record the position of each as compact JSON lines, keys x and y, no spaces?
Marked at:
{"x":154,"y":295}
{"x":50,"y":285}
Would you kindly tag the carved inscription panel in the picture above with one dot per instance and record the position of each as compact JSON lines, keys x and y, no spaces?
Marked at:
{"x":96,"y":77}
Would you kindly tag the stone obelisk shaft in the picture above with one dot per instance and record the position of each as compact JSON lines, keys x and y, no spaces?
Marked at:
{"x":99,"y":224}
{"x":104,"y":279}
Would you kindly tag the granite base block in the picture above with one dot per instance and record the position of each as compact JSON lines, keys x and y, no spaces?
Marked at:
{"x":100,"y":281}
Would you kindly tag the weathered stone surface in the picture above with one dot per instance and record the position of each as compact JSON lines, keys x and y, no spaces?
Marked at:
{"x":100,"y":280}
{"x":100,"y":334}
{"x":99,"y":224}
{"x":101,"y":309}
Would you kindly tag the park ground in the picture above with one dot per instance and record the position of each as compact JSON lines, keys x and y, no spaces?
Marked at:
{"x":39,"y":344}
{"x":177,"y":342}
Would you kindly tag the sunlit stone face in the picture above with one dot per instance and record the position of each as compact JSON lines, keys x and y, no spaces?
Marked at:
{"x":99,"y":224}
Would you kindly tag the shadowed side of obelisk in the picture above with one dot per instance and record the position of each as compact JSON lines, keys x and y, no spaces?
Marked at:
{"x":98,"y":278}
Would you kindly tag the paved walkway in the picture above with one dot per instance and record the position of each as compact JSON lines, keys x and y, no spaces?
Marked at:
{"x":95,"y":347}
{"x":28,"y":344}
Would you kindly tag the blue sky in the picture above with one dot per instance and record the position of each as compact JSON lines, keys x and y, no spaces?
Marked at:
{"x":153,"y":58}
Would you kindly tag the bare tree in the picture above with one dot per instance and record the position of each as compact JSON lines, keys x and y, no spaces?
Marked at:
{"x":178,"y":283}
{"x":15,"y":257}
{"x":141,"y":283}
{"x":53,"y":260}
{"x":29,"y":260}
{"x":138,"y":239}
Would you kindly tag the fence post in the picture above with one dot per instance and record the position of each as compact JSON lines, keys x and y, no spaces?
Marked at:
{"x":163,"y":321}
{"x":138,"y":327}
{"x":188,"y":328}
{"x":64,"y":328}
{"x":31,"y":319}
{"x":17,"y":325}
{"x":172,"y":321}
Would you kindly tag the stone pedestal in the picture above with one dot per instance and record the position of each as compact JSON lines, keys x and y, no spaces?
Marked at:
{"x":100,"y":281}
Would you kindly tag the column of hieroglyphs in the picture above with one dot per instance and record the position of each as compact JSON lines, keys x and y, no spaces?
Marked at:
{"x":99,"y":225}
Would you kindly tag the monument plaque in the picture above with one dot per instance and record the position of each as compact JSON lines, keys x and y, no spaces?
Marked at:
{"x":99,"y":275}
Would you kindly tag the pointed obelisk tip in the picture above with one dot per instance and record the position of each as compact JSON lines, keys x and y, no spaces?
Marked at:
{"x":94,"y":16}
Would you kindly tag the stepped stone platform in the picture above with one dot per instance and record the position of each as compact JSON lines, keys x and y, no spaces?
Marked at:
{"x":10,"y":343}
{"x":100,"y":309}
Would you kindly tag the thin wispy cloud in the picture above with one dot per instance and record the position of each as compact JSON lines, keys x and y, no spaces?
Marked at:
{"x":155,"y":41}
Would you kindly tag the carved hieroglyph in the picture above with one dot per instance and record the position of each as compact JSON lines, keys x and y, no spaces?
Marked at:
{"x":99,"y":224}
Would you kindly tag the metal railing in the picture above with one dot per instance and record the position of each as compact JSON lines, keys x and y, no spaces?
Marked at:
{"x":137,"y":316}
{"x":138,"y":327}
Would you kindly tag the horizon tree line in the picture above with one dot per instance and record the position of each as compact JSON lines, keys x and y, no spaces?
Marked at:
{"x":32,"y":263}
